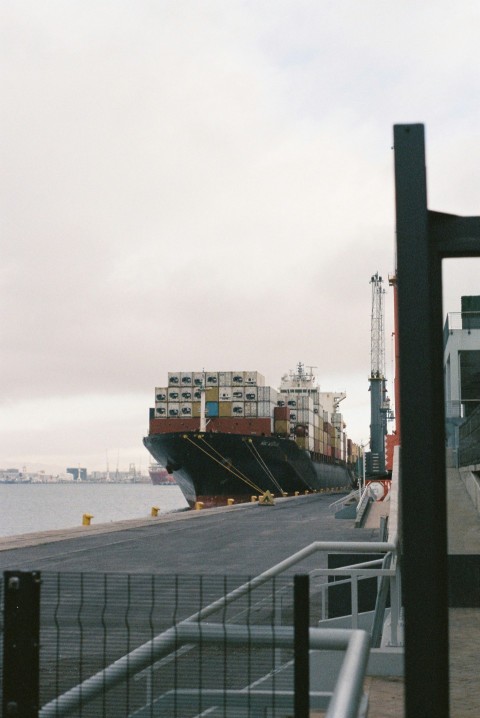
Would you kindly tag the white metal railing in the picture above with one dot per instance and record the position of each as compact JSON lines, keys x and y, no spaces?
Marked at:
{"x":353,"y":667}
{"x":167,"y":642}
{"x":337,"y":505}
{"x":364,"y":496}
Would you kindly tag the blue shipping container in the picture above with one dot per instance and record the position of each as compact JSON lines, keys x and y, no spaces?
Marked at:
{"x":211,"y":408}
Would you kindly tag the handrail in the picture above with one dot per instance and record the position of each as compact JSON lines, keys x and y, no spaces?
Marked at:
{"x":343,"y":500}
{"x":356,"y":643}
{"x":164,"y":643}
{"x":366,"y":493}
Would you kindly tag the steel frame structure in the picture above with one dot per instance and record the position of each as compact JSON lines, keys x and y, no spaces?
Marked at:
{"x":424,"y":239}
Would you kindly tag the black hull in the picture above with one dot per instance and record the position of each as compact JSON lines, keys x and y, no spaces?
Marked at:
{"x":207,"y":467}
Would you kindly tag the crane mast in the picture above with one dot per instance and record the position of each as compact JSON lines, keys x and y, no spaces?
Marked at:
{"x":377,"y":352}
{"x":379,"y":404}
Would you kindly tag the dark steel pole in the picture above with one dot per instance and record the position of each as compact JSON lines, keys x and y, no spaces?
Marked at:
{"x":21,"y":644}
{"x":301,"y":643}
{"x":423,"y":491}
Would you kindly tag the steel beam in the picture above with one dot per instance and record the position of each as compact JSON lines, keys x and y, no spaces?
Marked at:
{"x":424,"y":238}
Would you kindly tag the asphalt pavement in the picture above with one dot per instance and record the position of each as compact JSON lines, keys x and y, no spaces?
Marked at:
{"x":242,"y":540}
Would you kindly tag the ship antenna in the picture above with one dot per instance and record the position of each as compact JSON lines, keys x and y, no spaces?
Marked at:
{"x":311,"y":371}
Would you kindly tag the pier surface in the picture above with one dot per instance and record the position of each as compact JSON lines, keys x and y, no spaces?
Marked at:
{"x":246,"y":540}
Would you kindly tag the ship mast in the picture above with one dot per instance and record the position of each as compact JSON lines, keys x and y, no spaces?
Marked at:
{"x":203,"y":420}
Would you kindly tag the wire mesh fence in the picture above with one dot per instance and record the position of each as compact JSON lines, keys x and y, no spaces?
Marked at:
{"x":116,"y":645}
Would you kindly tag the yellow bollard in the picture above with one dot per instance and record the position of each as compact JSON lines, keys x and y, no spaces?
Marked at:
{"x":297,"y":493}
{"x":253,"y":499}
{"x":154,"y":511}
{"x":306,"y":492}
{"x":198,"y":505}
{"x":230,"y":502}
{"x":284,"y":493}
{"x":86,"y":518}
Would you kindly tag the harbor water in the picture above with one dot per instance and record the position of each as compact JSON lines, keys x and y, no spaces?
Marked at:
{"x":27,"y":508}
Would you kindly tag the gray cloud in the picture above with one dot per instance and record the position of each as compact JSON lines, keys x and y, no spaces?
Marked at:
{"x":192,"y":185}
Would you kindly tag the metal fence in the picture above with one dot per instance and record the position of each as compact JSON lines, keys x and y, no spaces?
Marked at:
{"x":133,"y":645}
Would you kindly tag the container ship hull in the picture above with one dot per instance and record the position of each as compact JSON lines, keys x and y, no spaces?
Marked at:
{"x":214,"y":467}
{"x":227,"y":435}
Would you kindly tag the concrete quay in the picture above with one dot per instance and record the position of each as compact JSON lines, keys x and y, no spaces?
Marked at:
{"x":243,"y":539}
{"x":248,"y":539}
{"x":387,"y":694}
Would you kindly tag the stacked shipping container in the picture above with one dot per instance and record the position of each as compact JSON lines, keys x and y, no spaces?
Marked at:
{"x":239,"y":402}
{"x":227,"y":394}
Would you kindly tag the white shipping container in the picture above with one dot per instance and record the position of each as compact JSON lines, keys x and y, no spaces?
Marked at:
{"x":186,"y":408}
{"x":160,"y":393}
{"x":211,"y":378}
{"x":198,"y":378}
{"x":173,"y":409}
{"x":224,"y":378}
{"x":237,"y":378}
{"x":238,"y":408}
{"x":305,"y":416}
{"x":250,"y":393}
{"x":161,"y":409}
{"x":267,"y":393}
{"x":225,"y":393}
{"x":173,"y":393}
{"x":291,"y":401}
{"x":186,"y":378}
{"x":238,"y":393}
{"x":253,"y":378}
{"x":251,"y":408}
{"x":174,"y":378}
{"x":186,"y":393}
{"x":265,"y":408}
{"x":197,"y":395}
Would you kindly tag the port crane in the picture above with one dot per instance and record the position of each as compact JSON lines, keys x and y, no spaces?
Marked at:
{"x":380,"y":412}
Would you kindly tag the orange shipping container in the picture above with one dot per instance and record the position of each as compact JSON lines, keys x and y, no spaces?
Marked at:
{"x":281,"y":413}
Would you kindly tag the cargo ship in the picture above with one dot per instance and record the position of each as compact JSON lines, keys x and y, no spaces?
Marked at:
{"x":160,"y":476}
{"x":225,"y":435}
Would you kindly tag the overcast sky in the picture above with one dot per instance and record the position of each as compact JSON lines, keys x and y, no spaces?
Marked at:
{"x":209,"y":184}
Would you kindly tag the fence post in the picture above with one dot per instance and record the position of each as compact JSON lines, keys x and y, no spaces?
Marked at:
{"x":301,"y":595}
{"x":21,"y":644}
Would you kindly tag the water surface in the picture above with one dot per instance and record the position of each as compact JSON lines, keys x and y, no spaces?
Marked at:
{"x":41,"y":507}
